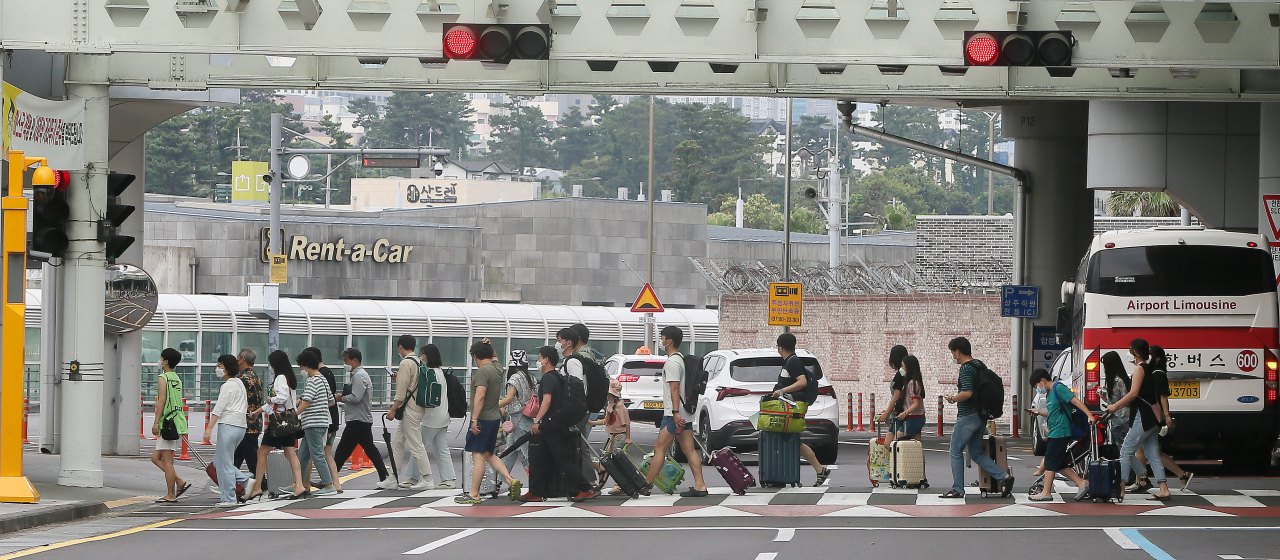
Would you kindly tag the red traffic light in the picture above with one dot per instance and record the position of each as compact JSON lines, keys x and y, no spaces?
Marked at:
{"x":1018,"y":48}
{"x":63,"y":180}
{"x":981,"y":50}
{"x":496,"y":42}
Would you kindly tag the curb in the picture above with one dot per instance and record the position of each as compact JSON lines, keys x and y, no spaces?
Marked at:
{"x":53,"y":514}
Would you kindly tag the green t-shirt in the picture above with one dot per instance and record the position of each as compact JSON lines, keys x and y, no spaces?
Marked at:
{"x":173,"y":400}
{"x":1058,"y":401}
{"x":489,"y":376}
{"x":967,"y":381}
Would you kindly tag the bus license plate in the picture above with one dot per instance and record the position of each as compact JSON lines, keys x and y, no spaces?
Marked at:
{"x":653,"y":404}
{"x":1184,"y":389}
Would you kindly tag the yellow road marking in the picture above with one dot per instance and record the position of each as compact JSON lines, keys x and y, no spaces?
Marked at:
{"x":343,"y":479}
{"x":64,"y":544}
{"x":130,"y":501}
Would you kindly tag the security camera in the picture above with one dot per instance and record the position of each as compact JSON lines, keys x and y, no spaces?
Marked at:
{"x":438,"y":169}
{"x":811,"y":193}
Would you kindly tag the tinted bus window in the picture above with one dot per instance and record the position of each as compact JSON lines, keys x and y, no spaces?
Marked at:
{"x":1181,"y":270}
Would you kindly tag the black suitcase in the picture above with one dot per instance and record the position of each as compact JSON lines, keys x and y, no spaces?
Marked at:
{"x":622,"y":468}
{"x":558,"y":485}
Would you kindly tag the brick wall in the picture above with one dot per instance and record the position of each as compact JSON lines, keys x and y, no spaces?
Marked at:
{"x":964,"y":238}
{"x":851,"y":336}
{"x":1108,"y":223}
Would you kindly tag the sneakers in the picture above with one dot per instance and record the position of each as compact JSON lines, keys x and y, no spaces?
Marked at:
{"x":584,"y":496}
{"x":616,"y":491}
{"x":325,"y":491}
{"x":823,"y":476}
{"x":446,"y":485}
{"x":693,"y":493}
{"x":408,"y":483}
{"x":529,"y":497}
{"x":388,"y":484}
{"x":424,"y":484}
{"x":466,"y":499}
{"x":226,"y":504}
{"x":1082,"y":494}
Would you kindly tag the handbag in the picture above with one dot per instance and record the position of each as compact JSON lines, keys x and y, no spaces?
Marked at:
{"x":781,"y":415}
{"x":284,"y":424}
{"x":169,"y":429}
{"x":534,"y":404}
{"x":508,"y":426}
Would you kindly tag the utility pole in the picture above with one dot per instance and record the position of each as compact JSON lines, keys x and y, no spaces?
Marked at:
{"x":991,"y":153}
{"x":786,"y":208}
{"x":650,"y":326}
{"x":276,"y":240}
{"x":834,"y":202}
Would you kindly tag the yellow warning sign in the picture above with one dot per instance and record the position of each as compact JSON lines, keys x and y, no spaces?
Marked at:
{"x":647,"y":302}
{"x":785,"y":304}
{"x":279,"y":269}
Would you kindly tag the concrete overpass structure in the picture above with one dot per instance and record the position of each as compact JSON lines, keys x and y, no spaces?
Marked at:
{"x":1182,"y":97}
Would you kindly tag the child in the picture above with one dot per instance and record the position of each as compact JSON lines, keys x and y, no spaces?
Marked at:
{"x":1055,"y":452}
{"x":617,"y":424}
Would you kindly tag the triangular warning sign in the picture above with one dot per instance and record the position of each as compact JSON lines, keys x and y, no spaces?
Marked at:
{"x":647,"y":302}
{"x":1272,"y":204}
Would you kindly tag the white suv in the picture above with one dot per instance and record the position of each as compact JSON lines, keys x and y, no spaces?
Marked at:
{"x":736,"y":379}
{"x":641,"y":378}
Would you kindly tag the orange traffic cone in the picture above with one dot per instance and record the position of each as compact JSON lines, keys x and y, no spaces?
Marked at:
{"x":185,"y":456}
{"x":357,"y":458}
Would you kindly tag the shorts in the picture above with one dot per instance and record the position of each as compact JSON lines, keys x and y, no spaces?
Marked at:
{"x":911,"y":426}
{"x":487,"y":440}
{"x":272,"y":441}
{"x":168,"y":445}
{"x":669,"y":424}
{"x":1055,"y":454}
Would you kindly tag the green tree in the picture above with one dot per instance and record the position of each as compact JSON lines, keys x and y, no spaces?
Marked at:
{"x":804,"y":220}
{"x":917,"y":123}
{"x":341,"y":179}
{"x":414,"y":118}
{"x":1142,"y":203}
{"x":573,"y":139}
{"x":521,"y":135}
{"x":722,"y":219}
{"x":688,"y":171}
{"x":171,"y":169}
{"x":759,"y":213}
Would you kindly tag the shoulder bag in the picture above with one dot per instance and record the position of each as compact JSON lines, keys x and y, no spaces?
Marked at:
{"x":534,"y":404}
{"x":285,"y":424}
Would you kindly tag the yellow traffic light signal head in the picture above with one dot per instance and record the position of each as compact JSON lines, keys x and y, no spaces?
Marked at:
{"x":44,"y":176}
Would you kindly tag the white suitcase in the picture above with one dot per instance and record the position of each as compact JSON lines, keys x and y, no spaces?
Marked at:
{"x":906,"y":464}
{"x":278,"y":473}
{"x":487,"y":484}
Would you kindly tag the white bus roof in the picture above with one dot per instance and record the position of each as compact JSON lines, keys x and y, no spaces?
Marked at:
{"x":1174,"y":235}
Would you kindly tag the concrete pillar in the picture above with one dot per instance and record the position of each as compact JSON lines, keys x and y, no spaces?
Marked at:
{"x":122,"y":363}
{"x":83,"y":284}
{"x":1205,"y":155}
{"x":1051,"y":147}
{"x":1269,"y":177}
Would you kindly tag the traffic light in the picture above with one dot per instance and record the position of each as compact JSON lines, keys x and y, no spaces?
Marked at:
{"x":109,"y":228}
{"x":49,"y":215}
{"x":1018,"y":48}
{"x":496,"y":42}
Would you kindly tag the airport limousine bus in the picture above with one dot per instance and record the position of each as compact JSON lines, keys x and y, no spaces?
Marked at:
{"x":1208,"y":297}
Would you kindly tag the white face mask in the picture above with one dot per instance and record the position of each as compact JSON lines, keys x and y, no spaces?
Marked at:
{"x":1041,"y":390}
{"x":347,"y":368}
{"x":222,"y":372}
{"x":559,"y":347}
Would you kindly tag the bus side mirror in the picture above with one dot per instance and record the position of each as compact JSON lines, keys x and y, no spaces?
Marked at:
{"x":1064,"y":323}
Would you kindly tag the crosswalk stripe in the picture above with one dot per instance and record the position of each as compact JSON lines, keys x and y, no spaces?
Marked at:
{"x":1233,"y":501}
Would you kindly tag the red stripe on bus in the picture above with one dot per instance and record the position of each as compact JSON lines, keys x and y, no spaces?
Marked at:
{"x":1184,"y":337}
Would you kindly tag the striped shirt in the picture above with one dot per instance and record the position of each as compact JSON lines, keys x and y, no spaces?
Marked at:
{"x":317,"y":393}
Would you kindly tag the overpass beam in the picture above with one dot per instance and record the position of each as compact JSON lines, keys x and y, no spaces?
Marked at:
{"x":82,"y":289}
{"x":1051,"y":147}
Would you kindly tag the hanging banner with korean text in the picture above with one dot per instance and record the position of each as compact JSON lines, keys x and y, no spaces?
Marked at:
{"x":45,"y":128}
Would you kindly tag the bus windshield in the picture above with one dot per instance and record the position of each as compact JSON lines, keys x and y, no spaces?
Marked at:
{"x":1181,"y":270}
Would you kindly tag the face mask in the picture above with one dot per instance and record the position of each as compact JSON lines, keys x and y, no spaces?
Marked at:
{"x":222,"y":372}
{"x":1041,"y":391}
{"x":559,"y":347}
{"x":347,"y":368}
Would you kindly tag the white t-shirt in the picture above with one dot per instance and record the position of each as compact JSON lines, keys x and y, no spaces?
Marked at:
{"x":672,"y":370}
{"x":574,"y":368}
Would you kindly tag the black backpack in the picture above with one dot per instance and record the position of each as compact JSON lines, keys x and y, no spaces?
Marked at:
{"x":457,"y":395}
{"x":695,"y":382}
{"x":989,"y":394}
{"x":574,"y":407}
{"x":597,"y":386}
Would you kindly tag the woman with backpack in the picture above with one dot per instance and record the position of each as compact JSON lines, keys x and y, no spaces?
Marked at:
{"x":1148,"y":416}
{"x":896,"y":402}
{"x":518,"y":407}
{"x":435,"y":422}
{"x":280,"y":407}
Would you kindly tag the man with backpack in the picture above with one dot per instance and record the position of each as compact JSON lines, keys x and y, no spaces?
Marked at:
{"x":557,"y":414}
{"x":409,"y":432}
{"x":674,"y":426}
{"x":486,"y":420}
{"x":799,"y":384}
{"x":1059,"y":401}
{"x":973,"y":401}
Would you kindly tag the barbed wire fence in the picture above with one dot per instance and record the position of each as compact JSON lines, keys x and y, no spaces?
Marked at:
{"x":859,"y":277}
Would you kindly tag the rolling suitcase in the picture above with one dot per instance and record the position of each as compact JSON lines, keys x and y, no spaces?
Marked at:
{"x":732,"y":469}
{"x":906,"y":464}
{"x":278,"y":474}
{"x":878,"y":461}
{"x":1104,"y":479}
{"x":994,"y":447}
{"x":558,"y":485}
{"x":624,"y":471}
{"x":669,"y":478}
{"x":779,"y":459}
{"x":211,"y":470}
{"x":488,"y":484}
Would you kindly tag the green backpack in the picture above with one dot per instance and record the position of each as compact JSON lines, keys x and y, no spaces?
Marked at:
{"x":430,"y":396}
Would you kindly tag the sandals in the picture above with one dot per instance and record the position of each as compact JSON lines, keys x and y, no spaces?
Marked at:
{"x":182,"y":490}
{"x":164,"y":501}
{"x":823,"y":476}
{"x":1186,"y":478}
{"x":1159,"y":498}
{"x":1044,"y":498}
{"x":1142,"y":485}
{"x":952,"y":494}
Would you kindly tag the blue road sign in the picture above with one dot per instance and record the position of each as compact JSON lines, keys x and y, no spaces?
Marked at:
{"x":1020,"y":301}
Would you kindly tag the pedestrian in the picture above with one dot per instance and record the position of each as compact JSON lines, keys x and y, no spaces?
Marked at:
{"x":569,"y":342}
{"x":911,"y":419}
{"x":583,"y":349}
{"x":486,"y":420}
{"x":408,"y":436}
{"x":896,"y":401}
{"x":1159,"y":366}
{"x":283,"y":398}
{"x":247,"y":452}
{"x":968,"y":428}
{"x":673,"y":426}
{"x":797,"y":383}
{"x":358,"y":405}
{"x":435,"y":423}
{"x":1142,"y":401}
{"x":230,"y":414}
{"x":555,"y":434}
{"x":313,"y":411}
{"x":1116,"y":386}
{"x":520,"y":387}
{"x":332,"y":434}
{"x":168,"y":409}
{"x":1059,"y":401}
{"x":617,"y":424}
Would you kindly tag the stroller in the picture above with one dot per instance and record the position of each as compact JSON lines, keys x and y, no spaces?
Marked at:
{"x":1078,"y":454}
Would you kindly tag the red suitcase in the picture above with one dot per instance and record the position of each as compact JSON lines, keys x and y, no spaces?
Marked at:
{"x":732,"y":469}
{"x":211,"y":470}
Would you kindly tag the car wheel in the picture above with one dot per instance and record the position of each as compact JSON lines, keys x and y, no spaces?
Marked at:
{"x":704,"y":434}
{"x":827,"y":454}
